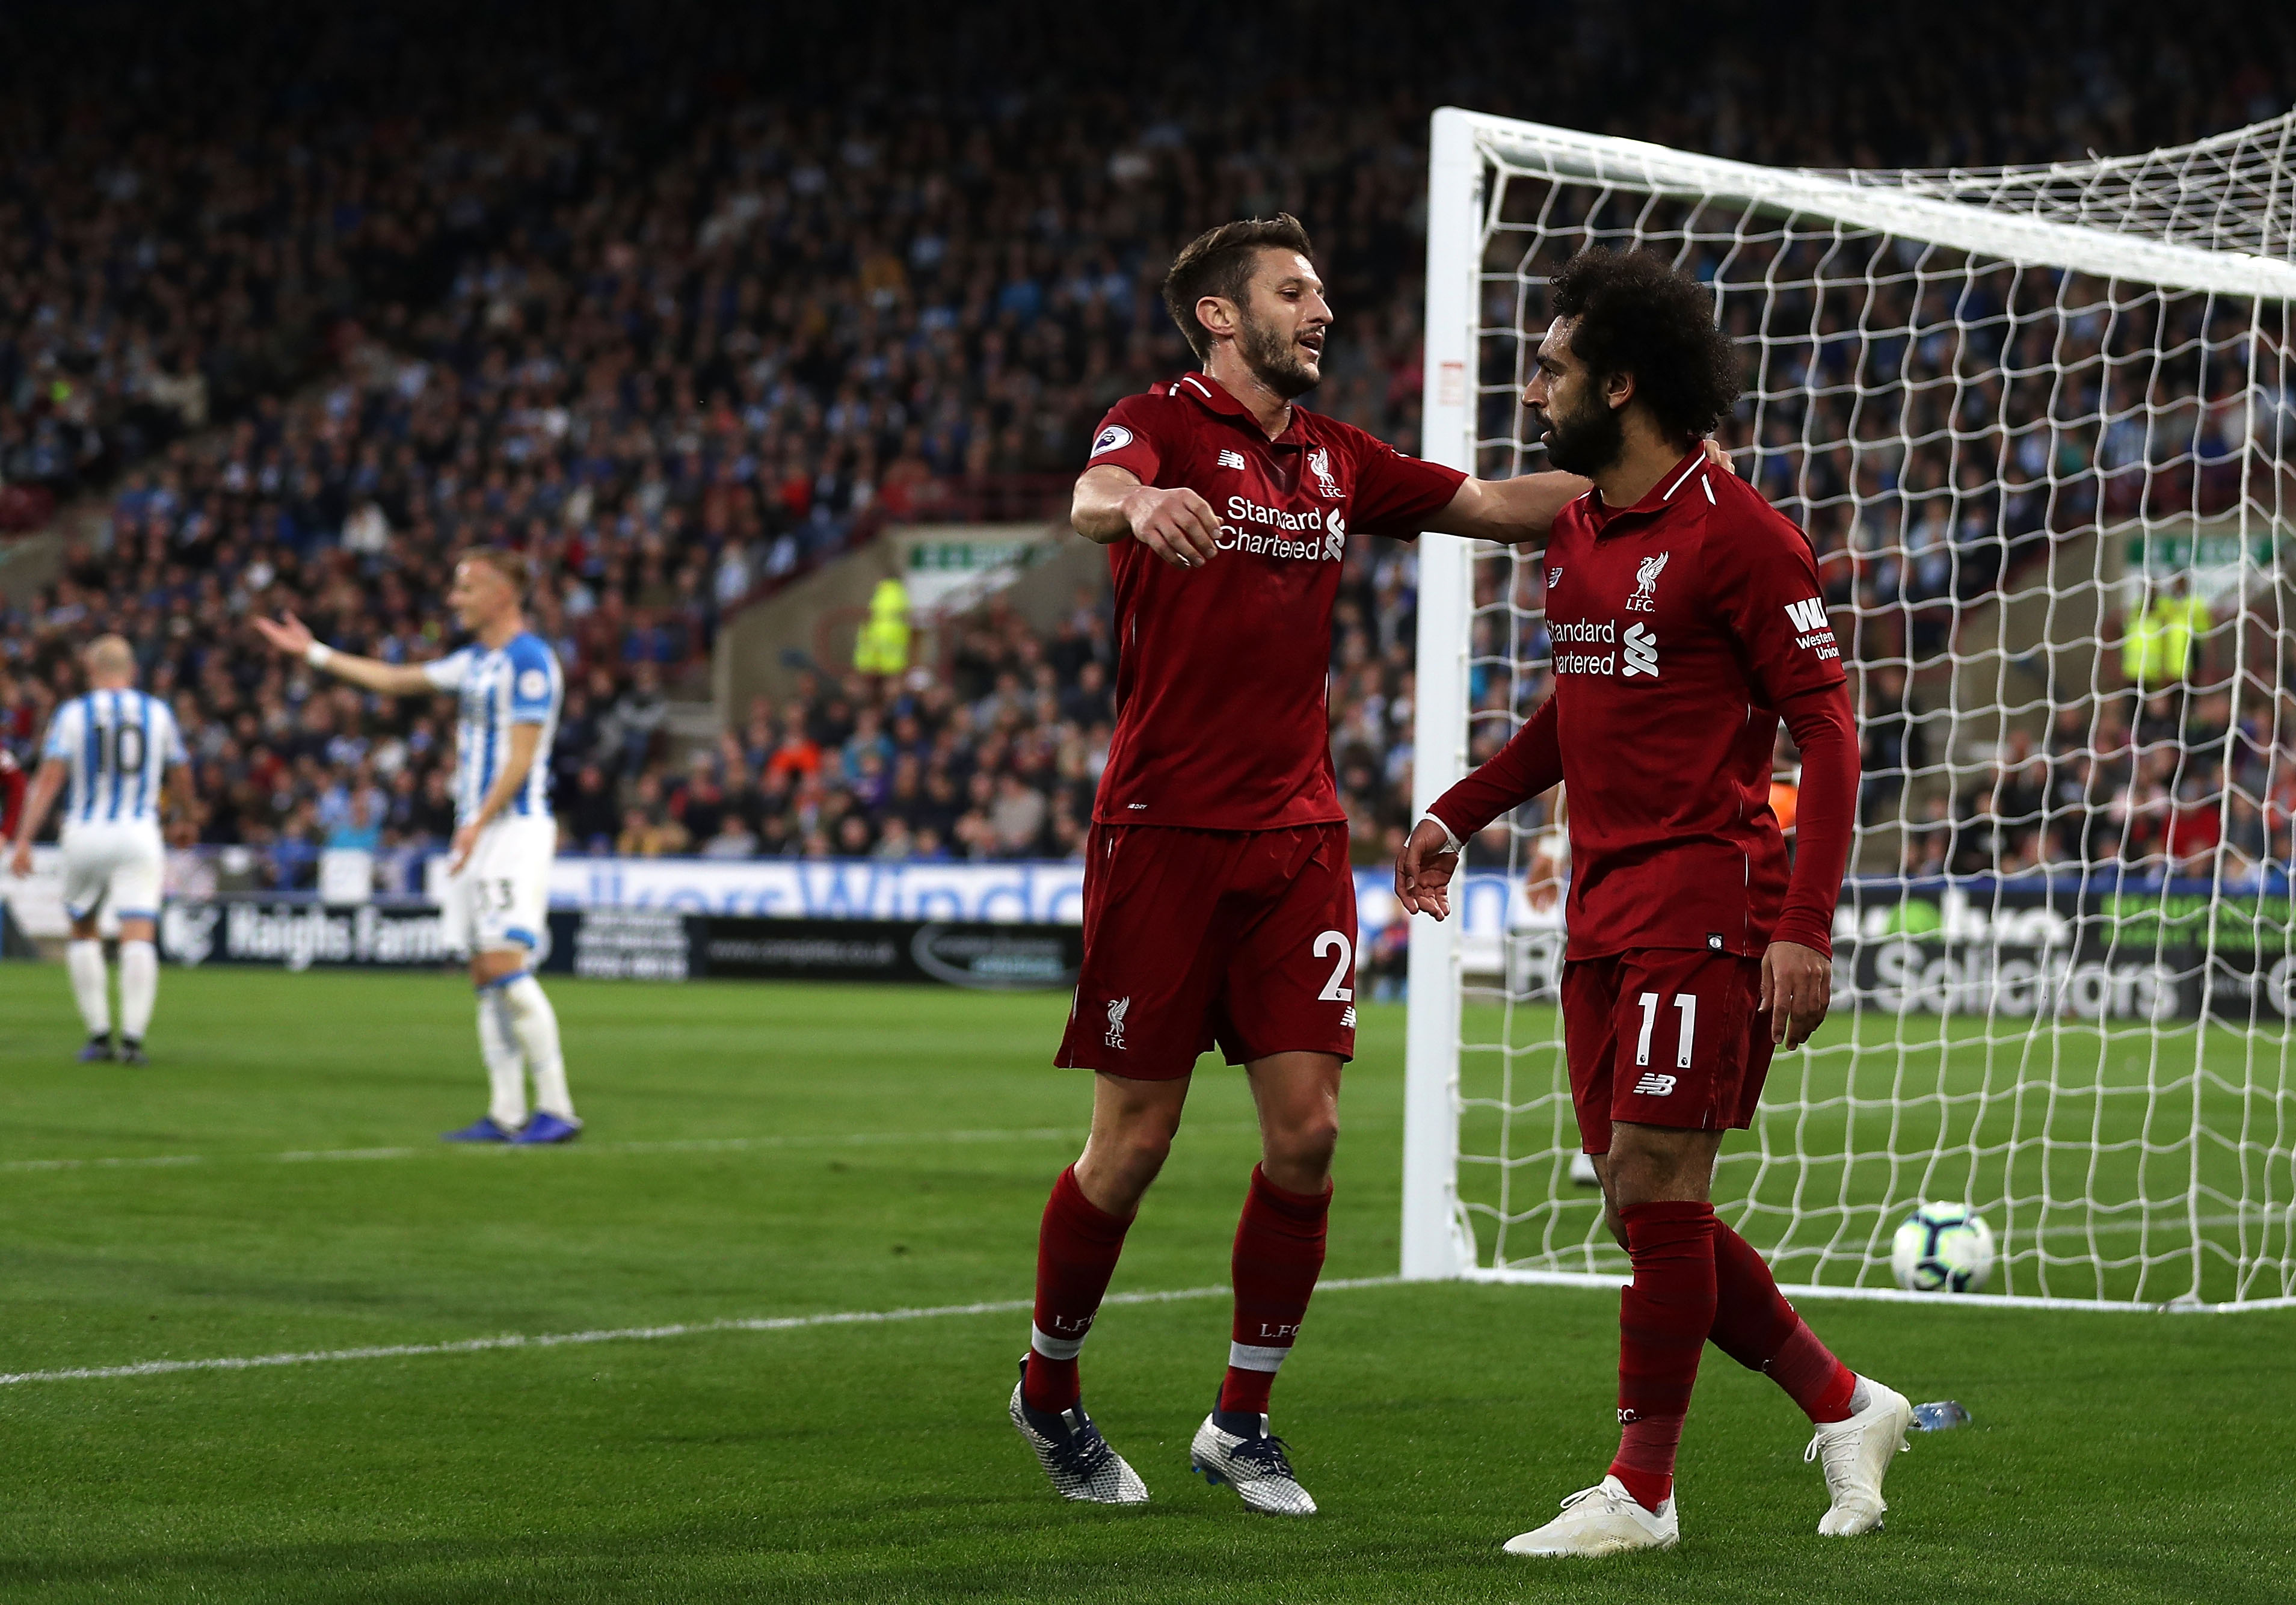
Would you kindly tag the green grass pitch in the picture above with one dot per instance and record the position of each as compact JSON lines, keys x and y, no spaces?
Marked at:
{"x":761,"y":1151}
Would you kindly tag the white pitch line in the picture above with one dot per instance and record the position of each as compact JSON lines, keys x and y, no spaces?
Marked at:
{"x":625,"y":1334}
{"x":867,"y":1139}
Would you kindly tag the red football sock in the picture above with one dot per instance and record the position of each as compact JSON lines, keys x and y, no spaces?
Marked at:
{"x":1754,"y":1325}
{"x":1663,"y":1320}
{"x":1077,"y":1249}
{"x":1279,"y":1253}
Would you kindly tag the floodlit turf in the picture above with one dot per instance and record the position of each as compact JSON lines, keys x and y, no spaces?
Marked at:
{"x":783,"y":1151}
{"x":2076,"y":1142}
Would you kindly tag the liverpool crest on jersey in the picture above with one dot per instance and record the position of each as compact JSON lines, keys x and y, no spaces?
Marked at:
{"x":1645,"y":596}
{"x":1319,"y":464}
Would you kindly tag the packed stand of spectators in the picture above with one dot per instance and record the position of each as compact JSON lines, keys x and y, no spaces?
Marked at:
{"x":2165,"y":777}
{"x":992,"y":755}
{"x":678,"y":304}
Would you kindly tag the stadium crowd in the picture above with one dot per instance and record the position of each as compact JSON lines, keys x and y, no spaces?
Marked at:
{"x":328,"y":301}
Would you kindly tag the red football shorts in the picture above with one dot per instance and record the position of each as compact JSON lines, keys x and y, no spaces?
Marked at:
{"x":1664,"y":1037}
{"x":1242,"y":938}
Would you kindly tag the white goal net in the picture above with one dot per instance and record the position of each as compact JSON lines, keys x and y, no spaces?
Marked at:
{"x":2040,"y":425}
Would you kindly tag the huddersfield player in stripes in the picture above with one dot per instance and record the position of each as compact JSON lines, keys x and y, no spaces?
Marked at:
{"x":115,"y":748}
{"x":498,"y":895}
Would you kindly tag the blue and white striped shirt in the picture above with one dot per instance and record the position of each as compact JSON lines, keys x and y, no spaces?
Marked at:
{"x":119,"y":744}
{"x":516,"y":684}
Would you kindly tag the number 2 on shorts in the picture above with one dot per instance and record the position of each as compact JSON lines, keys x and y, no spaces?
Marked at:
{"x":1686,"y":1003}
{"x":1333,"y":992}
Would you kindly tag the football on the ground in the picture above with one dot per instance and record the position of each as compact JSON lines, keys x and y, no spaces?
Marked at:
{"x":1942,"y":1248}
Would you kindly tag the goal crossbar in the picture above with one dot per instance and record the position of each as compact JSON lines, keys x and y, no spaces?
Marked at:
{"x":1905,"y":214}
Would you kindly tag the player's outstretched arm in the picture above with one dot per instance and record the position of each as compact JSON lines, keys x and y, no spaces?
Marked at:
{"x":1516,"y":512}
{"x":1520,"y":511}
{"x":291,"y":637}
{"x":1178,"y":526}
{"x":1527,"y":765}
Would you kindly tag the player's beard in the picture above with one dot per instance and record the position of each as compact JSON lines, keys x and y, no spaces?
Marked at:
{"x":1271,"y":357}
{"x":1587,"y":441}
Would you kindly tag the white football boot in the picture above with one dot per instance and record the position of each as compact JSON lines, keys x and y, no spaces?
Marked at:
{"x":1074,"y":1455}
{"x":1856,"y":1455}
{"x":1604,"y":1520}
{"x":1255,"y":1462}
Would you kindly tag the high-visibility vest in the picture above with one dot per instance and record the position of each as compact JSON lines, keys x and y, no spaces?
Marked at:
{"x":883,"y":646}
{"x":2159,"y":646}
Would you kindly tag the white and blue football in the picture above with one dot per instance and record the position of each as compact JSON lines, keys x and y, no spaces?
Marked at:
{"x":1942,"y":1248}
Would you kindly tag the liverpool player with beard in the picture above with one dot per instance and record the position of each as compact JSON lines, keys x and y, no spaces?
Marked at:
{"x":1686,"y":623}
{"x":1218,"y":904}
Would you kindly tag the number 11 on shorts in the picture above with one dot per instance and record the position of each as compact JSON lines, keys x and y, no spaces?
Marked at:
{"x":1687,"y":1004}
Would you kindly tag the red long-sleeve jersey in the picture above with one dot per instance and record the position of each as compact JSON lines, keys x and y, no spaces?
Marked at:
{"x":1684,"y":629}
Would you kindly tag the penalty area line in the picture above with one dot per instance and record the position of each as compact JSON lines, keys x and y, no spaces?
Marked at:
{"x":621,"y":1334}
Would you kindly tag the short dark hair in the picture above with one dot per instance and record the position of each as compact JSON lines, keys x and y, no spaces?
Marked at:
{"x":1219,"y":262}
{"x":1636,"y":315}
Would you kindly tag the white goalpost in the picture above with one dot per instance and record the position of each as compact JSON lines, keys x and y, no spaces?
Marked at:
{"x":2040,"y":424}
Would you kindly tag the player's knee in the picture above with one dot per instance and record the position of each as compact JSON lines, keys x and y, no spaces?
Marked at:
{"x":1301,"y":1151}
{"x":1143,"y":1147}
{"x":1634,"y":1176}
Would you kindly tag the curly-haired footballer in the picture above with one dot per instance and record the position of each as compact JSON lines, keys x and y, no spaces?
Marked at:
{"x":1686,"y":622}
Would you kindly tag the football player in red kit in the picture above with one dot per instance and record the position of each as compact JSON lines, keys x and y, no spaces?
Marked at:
{"x":1218,"y":904}
{"x":1687,"y":621}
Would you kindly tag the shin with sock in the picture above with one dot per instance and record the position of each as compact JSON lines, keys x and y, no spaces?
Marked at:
{"x":83,"y":963}
{"x":139,"y":988}
{"x":1663,"y":1319}
{"x":1279,"y":1254}
{"x":505,"y":1064}
{"x":1754,"y":1325}
{"x":534,"y":1023}
{"x":1077,"y":1249}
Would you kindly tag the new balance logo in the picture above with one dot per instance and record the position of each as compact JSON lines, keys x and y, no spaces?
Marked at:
{"x":1807,"y":614}
{"x":1228,"y":459}
{"x":1654,"y":1086}
{"x":1117,"y":1007}
{"x":1348,"y":1018}
{"x":1641,"y":649}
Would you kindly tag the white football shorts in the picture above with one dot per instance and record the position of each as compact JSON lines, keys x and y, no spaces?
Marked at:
{"x":122,"y":861}
{"x":501,"y":901}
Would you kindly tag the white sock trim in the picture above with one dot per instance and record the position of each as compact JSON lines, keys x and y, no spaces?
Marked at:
{"x":1051,"y":1348}
{"x":1248,"y":1357}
